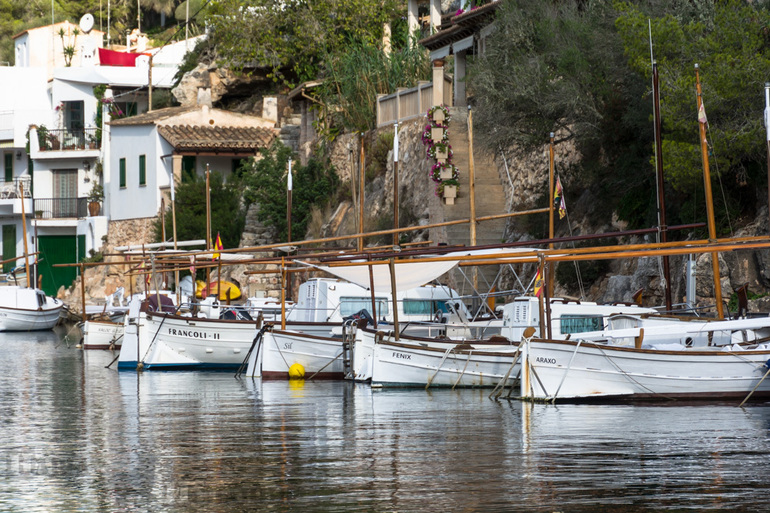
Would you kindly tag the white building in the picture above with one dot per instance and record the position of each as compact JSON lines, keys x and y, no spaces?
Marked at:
{"x":146,"y":150}
{"x":58,"y":99}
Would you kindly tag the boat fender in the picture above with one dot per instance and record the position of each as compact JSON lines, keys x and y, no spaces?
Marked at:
{"x":767,"y":364}
{"x":296,"y":371}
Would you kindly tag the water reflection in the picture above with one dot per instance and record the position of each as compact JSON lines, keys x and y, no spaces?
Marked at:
{"x":78,"y":436}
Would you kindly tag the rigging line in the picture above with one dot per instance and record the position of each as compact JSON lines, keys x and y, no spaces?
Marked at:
{"x":719,"y":178}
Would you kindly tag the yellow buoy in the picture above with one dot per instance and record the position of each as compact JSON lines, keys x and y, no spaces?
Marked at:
{"x":296,"y":371}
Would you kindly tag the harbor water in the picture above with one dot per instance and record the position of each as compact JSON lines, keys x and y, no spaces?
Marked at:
{"x":78,"y":436}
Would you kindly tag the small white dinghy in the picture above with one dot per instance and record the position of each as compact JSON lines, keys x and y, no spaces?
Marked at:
{"x":24,"y":309}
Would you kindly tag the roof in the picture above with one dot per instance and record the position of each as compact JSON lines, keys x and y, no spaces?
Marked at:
{"x":461,"y":26}
{"x":152,"y":117}
{"x":218,"y":138}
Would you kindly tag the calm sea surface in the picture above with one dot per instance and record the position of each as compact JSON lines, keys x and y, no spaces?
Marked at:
{"x":76,"y":436}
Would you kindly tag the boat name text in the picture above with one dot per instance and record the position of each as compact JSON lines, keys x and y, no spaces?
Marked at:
{"x":193,"y":334}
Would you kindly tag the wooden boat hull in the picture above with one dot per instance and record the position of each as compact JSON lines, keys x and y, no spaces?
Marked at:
{"x":320,"y":357}
{"x":406,"y":364}
{"x":567,"y":370}
{"x":166,"y":342}
{"x":102,"y":334}
{"x":23,"y":309}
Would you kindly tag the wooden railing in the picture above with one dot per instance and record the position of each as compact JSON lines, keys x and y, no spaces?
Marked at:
{"x":409,"y":103}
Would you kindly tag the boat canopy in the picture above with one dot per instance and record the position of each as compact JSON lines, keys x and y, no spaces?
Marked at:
{"x":408,"y":274}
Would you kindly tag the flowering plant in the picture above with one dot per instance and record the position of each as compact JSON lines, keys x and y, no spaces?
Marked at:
{"x":435,"y":171}
{"x":440,"y":187}
{"x":440,"y":108}
{"x":441,"y":146}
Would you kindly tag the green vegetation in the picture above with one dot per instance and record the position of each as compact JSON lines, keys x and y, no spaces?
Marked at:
{"x":292,"y":38}
{"x":582,"y":70}
{"x":354,"y":77}
{"x":264,"y":182}
{"x":228,"y":216}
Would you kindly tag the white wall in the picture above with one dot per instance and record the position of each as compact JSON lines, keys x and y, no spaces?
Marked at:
{"x":62,"y":91}
{"x":135,"y":201}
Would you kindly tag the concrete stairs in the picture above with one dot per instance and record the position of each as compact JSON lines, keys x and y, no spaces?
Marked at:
{"x":489,"y":194}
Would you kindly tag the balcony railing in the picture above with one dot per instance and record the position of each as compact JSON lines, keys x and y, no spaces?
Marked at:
{"x":60,"y":208}
{"x":12,"y":189}
{"x":56,"y":140}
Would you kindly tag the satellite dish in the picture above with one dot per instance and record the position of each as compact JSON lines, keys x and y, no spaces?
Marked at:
{"x":87,"y":22}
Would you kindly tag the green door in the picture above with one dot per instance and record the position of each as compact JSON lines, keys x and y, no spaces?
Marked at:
{"x":59,"y":249}
{"x":9,"y":246}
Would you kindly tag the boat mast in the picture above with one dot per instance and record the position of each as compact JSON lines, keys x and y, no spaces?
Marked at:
{"x":24,"y":231}
{"x":709,"y":200}
{"x":662,"y":227}
{"x":767,"y":128}
{"x":551,"y":193}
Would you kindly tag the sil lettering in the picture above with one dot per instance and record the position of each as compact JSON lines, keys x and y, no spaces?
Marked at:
{"x":550,"y":361}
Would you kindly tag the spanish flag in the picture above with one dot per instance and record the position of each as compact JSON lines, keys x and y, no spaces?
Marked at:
{"x":539,"y":282}
{"x":218,"y":247}
{"x":558,"y":194}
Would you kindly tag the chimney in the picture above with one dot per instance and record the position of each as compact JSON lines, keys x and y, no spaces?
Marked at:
{"x":204,"y":96}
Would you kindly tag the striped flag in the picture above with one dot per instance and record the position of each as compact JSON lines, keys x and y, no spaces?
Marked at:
{"x":559,"y":195}
{"x":539,"y":282}
{"x":218,"y":247}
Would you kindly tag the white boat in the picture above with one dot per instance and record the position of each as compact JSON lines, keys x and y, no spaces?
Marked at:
{"x":567,"y":317}
{"x":102,"y":334}
{"x":25,"y":309}
{"x":558,"y":370}
{"x":412,"y":362}
{"x":317,"y":357}
{"x":160,"y":340}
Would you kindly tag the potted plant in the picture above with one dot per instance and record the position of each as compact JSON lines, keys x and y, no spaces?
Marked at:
{"x":95,"y":198}
{"x":448,"y":190}
{"x":440,"y":151}
{"x":438,"y":114}
{"x":444,"y":171}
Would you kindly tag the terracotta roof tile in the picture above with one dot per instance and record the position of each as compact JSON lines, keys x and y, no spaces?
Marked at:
{"x":221,"y":138}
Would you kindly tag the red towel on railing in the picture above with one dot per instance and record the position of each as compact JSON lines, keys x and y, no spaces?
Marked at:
{"x":113,"y":58}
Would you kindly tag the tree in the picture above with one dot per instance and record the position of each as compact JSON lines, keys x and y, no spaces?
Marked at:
{"x":355,"y":77}
{"x":227,"y":213}
{"x":582,"y":69}
{"x":265,"y":184}
{"x":729,"y":41}
{"x":559,"y":67}
{"x":290,"y":37}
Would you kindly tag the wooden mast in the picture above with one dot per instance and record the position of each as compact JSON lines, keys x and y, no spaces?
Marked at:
{"x":551,"y":196}
{"x":659,"y":174}
{"x":709,"y":200}
{"x":361,"y":194}
{"x":24,"y":231}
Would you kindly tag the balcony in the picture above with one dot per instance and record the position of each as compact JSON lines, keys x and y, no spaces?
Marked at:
{"x":13,"y":188}
{"x":64,"y":140}
{"x":60,"y":208}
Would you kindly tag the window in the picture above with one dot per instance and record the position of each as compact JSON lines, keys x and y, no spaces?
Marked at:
{"x":188,"y":169}
{"x":124,"y":109}
{"x":9,"y":167}
{"x":122,"y":173}
{"x":351,"y":305}
{"x":142,"y":170}
{"x":580,"y":323}
{"x":74,"y":116}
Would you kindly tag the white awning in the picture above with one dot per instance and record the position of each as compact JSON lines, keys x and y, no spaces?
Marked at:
{"x":408,"y":275}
